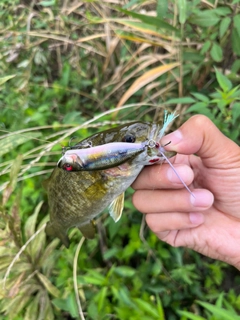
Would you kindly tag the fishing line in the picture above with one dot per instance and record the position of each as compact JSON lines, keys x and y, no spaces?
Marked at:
{"x":75,"y":260}
{"x":179,"y":177}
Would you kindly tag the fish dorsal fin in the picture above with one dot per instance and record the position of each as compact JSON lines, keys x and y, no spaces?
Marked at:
{"x":88,"y":230}
{"x":116,"y":207}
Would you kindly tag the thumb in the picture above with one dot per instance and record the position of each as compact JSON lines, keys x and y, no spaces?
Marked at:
{"x":200,"y":136}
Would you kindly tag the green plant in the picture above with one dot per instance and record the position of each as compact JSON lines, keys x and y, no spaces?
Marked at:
{"x":61,"y":65}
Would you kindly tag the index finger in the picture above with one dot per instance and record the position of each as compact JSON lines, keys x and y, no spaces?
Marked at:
{"x":163,"y":177}
{"x":200,"y":136}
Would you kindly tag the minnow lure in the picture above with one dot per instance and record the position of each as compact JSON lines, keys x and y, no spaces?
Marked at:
{"x":100,"y":157}
{"x":111,"y":155}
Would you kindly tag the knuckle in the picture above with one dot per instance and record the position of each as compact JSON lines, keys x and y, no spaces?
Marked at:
{"x":201,"y":121}
{"x":136,"y":200}
{"x":153,"y":223}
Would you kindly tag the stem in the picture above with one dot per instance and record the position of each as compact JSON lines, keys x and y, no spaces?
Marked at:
{"x":75,"y":278}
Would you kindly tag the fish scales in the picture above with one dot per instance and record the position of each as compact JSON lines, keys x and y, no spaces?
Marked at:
{"x":76,"y":198}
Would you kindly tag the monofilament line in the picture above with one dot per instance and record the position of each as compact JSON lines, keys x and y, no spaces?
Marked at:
{"x":75,"y":260}
{"x":20,"y":252}
{"x":163,"y":155}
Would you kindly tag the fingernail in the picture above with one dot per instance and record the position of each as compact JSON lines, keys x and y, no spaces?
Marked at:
{"x":202,"y":198}
{"x":196,"y":218}
{"x":175,"y":137}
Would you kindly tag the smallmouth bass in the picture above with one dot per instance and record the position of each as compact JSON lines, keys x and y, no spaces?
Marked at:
{"x":76,"y":198}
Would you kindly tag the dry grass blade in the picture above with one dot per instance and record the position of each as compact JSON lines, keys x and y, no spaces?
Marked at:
{"x":75,"y":278}
{"x":146,"y":78}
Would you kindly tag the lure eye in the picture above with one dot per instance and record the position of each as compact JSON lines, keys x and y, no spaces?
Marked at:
{"x":68,"y":167}
{"x":129,"y":138}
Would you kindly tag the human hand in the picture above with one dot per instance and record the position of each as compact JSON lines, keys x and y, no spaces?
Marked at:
{"x":208,"y":223}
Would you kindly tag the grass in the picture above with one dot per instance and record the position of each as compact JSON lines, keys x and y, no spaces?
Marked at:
{"x":70,"y":68}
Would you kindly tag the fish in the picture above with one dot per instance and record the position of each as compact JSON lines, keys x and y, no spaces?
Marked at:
{"x":75,"y":198}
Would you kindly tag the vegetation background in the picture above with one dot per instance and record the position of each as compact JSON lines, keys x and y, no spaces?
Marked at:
{"x":68,"y":66}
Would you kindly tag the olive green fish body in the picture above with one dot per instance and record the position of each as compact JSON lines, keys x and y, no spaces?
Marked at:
{"x":76,"y":198}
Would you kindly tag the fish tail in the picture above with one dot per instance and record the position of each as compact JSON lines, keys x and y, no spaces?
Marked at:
{"x":54,"y":232}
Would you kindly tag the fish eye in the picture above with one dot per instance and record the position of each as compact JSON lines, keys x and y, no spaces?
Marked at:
{"x":68,"y":167}
{"x":129,"y":138}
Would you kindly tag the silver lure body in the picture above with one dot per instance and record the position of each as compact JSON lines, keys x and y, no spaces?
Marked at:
{"x":105,"y":156}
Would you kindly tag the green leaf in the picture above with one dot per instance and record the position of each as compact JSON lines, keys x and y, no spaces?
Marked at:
{"x":223,"y":81}
{"x":189,"y":315}
{"x":14,"y":140}
{"x":32,"y":309}
{"x":73,"y":117}
{"x":147,"y":307}
{"x":200,"y":107}
{"x":235,"y":112}
{"x":48,"y":285}
{"x":222,"y":11}
{"x":160,"y":308}
{"x":30,"y":224}
{"x":182,"y":8}
{"x":125,"y":271}
{"x":183,"y":100}
{"x":110,"y":253}
{"x":217,"y":311}
{"x":94,"y":277}
{"x":206,"y":46}
{"x":122,"y":295}
{"x":101,"y":298}
{"x":224,"y":25}
{"x":6,"y":78}
{"x":158,"y":23}
{"x":216,"y":52}
{"x":236,"y":42}
{"x":200,"y":97}
{"x":236,"y":66}
{"x":15,"y":168}
{"x":236,"y":23}
{"x":206,"y":18}
{"x":47,"y":3}
{"x":67,"y":304}
{"x":130,"y":4}
{"x":162,"y":8}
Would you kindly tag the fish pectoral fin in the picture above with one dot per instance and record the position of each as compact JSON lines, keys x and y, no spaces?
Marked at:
{"x":116,"y":207}
{"x":88,"y":230}
{"x":58,"y":232}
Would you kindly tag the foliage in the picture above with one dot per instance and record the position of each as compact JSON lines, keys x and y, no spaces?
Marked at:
{"x":64,"y":67}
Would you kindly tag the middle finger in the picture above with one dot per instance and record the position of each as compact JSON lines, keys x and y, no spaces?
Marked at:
{"x":163,"y":177}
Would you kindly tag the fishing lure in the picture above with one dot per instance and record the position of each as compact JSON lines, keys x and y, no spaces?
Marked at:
{"x":100,"y":157}
{"x":112,"y":155}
